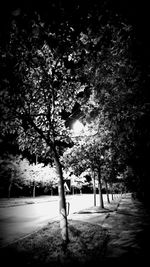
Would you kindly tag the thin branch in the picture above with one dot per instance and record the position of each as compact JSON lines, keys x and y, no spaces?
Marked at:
{"x":38,"y":130}
{"x":84,"y":135}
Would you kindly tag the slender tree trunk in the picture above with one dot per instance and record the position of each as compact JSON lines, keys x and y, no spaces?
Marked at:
{"x":112,"y":193}
{"x":107,"y":193}
{"x":100,"y":189}
{"x":11,"y":182}
{"x":94,"y":189}
{"x":62,"y":202}
{"x":73,"y":190}
{"x":51,"y":191}
{"x":33,"y":194}
{"x":9,"y":189}
{"x":36,"y":159}
{"x":34,"y":185}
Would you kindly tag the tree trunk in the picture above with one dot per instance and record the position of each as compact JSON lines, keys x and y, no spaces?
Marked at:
{"x":51,"y":190}
{"x":62,"y":202}
{"x":107,"y":193}
{"x":9,"y":189}
{"x":112,"y":195}
{"x":33,"y":194}
{"x":100,"y":189}
{"x":12,"y":175}
{"x":72,"y":190}
{"x":94,"y":189}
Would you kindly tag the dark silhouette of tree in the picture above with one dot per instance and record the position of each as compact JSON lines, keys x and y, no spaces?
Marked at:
{"x":37,"y":87}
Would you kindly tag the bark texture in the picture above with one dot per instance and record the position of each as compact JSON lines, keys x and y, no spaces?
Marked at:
{"x":62,"y":203}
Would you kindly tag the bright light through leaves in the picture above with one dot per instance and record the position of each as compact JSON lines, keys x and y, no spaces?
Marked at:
{"x":77,"y":127}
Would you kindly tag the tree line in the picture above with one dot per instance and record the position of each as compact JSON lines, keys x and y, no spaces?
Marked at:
{"x":20,"y":178}
{"x":78,"y":66}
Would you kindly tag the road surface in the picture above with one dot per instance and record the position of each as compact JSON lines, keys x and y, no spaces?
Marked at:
{"x":18,"y":221}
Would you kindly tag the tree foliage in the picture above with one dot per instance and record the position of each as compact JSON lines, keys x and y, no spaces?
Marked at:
{"x":82,"y":63}
{"x":38,"y":87}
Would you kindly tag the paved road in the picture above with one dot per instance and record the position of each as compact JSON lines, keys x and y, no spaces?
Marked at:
{"x":20,"y":220}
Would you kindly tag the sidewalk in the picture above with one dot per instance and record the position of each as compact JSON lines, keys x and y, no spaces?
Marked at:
{"x":96,"y":215}
{"x":128,"y":225}
{"x":129,"y":229}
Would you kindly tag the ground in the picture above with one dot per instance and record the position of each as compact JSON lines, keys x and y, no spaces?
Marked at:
{"x":117,"y":235}
{"x":87,"y":242}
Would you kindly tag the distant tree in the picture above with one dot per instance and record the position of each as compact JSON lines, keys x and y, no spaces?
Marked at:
{"x":9,"y":173}
{"x":36,"y":175}
{"x":88,"y":152}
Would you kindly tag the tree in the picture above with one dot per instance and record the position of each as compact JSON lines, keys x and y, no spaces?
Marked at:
{"x":10,"y":175}
{"x":88,"y":152}
{"x":50,"y":178}
{"x":40,"y":86}
{"x":36,"y":175}
{"x":119,"y":94}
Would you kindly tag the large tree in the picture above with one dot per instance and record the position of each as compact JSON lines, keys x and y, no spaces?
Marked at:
{"x":40,"y":85}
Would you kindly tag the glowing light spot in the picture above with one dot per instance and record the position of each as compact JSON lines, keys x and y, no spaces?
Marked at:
{"x":77,"y":127}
